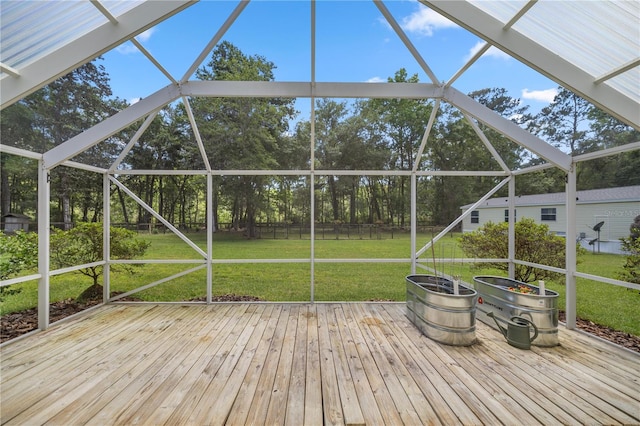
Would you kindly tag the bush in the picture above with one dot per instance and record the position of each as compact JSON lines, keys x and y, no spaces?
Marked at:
{"x":17,"y":253}
{"x":533,"y":243}
{"x":83,"y":244}
{"x":631,"y":245}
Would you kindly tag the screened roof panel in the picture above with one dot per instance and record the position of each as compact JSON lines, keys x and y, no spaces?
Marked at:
{"x":33,"y":29}
{"x":595,"y":36}
{"x":560,"y":39}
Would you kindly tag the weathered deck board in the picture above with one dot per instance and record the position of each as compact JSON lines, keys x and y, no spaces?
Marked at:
{"x":337,"y":363}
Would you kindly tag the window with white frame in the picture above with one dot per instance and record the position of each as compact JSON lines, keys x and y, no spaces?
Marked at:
{"x":475,"y":216}
{"x":506,"y":214}
{"x":548,"y":214}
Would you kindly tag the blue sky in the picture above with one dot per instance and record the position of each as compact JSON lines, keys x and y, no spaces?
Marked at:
{"x":354,"y":43}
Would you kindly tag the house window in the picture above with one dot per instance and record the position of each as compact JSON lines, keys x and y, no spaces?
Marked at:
{"x":506,"y":214}
{"x":475,"y":216}
{"x":548,"y":214}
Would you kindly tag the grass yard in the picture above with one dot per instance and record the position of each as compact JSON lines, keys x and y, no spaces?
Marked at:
{"x":601,"y":303}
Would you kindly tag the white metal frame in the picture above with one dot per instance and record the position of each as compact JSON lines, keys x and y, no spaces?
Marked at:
{"x":21,"y":82}
{"x":82,"y":50}
{"x":471,"y":17}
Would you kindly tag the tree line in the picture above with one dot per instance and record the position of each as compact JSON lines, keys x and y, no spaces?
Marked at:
{"x":258,"y":134}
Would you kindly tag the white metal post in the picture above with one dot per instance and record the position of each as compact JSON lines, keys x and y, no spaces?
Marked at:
{"x":312,"y":220}
{"x":512,"y":226}
{"x":210,"y":229}
{"x":106,"y":237}
{"x":570,"y":283}
{"x":414,"y":221}
{"x":312,"y":158}
{"x":44,"y":191}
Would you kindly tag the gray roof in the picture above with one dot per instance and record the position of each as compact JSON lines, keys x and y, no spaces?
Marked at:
{"x":608,"y":195}
{"x":16,"y":215}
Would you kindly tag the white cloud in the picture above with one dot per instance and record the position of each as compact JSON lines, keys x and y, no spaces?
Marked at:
{"x":376,"y":79}
{"x":546,"y":95}
{"x":493,"y":52}
{"x":425,"y":21}
{"x":145,"y":36}
{"x":128,"y":47}
{"x":134,"y":101}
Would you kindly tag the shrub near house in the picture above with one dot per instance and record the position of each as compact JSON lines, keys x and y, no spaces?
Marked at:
{"x":534,"y":243}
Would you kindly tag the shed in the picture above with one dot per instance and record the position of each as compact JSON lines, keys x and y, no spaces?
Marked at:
{"x":15,"y":222}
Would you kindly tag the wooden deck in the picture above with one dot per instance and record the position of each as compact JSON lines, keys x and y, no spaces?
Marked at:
{"x":338,"y":363}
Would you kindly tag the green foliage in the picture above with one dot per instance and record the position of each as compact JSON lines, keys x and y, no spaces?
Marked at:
{"x":17,"y":253}
{"x":534,"y":243}
{"x":62,"y":109}
{"x":601,"y":303}
{"x":631,"y":245}
{"x":83,"y":244}
{"x":242,"y":133}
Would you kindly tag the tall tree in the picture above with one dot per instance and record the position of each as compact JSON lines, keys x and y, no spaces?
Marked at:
{"x":456,"y":146}
{"x":615,"y":170}
{"x":330,"y":117}
{"x":403,"y":123}
{"x":242,"y":133}
{"x":18,"y":174}
{"x":565,"y":121}
{"x":167,"y":144}
{"x":63,"y":109}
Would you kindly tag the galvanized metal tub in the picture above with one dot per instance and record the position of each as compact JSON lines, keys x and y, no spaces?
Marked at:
{"x":541,"y":309}
{"x":440,"y":314}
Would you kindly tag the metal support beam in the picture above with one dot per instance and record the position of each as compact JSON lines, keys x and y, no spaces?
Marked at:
{"x":414,"y":222}
{"x":407,"y":43}
{"x":11,"y":71}
{"x":159,"y":217}
{"x":425,"y":136}
{"x":571,"y":251}
{"x":134,"y":140}
{"x":106,"y":237}
{"x":495,"y":154}
{"x":288,"y":89}
{"x":512,"y":226}
{"x":196,"y":133}
{"x":210,"y":229}
{"x":551,"y":65}
{"x":216,"y":38}
{"x":110,"y":126}
{"x":507,"y":128}
{"x":44,"y":191}
{"x":461,"y":217}
{"x":86,"y":48}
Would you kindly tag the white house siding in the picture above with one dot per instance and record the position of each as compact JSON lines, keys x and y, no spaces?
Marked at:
{"x":617,"y":216}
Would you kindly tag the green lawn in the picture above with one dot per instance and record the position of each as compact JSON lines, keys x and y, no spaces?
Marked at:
{"x":604,"y":304}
